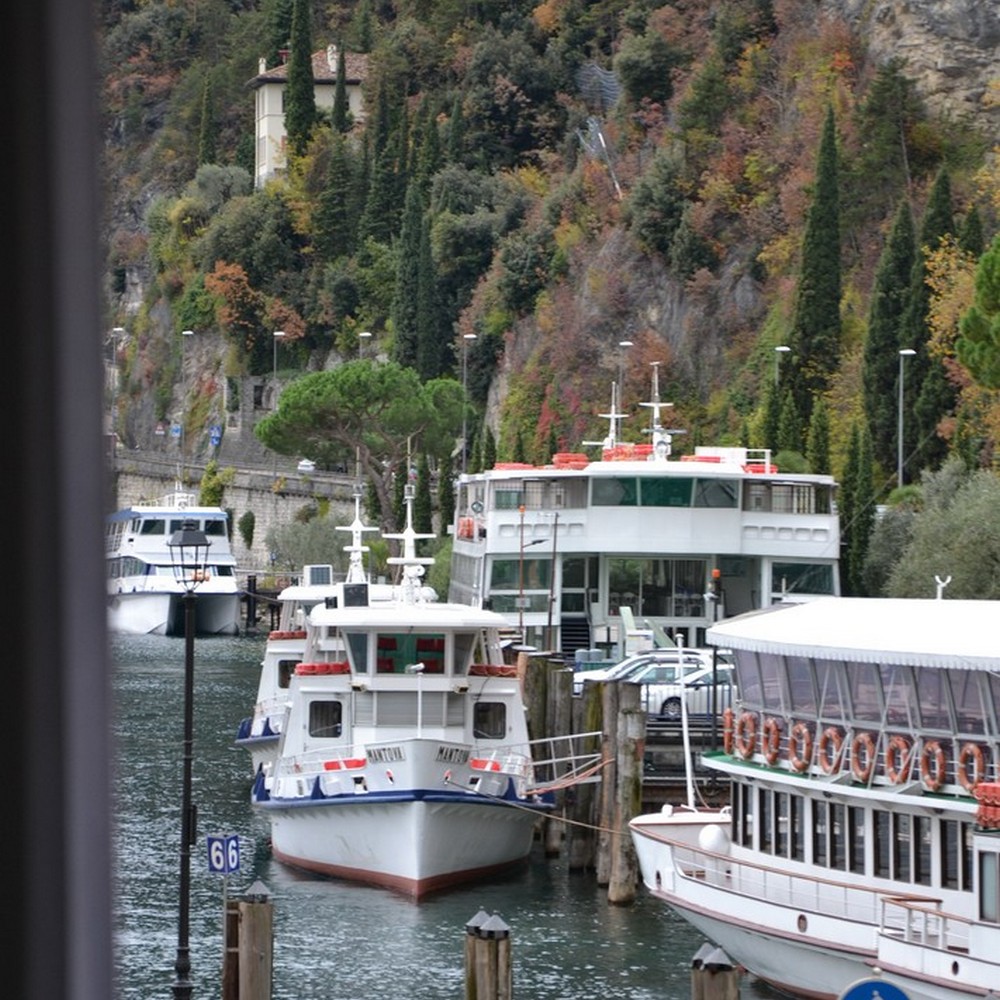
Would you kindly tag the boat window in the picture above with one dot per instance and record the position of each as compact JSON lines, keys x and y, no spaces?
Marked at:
{"x":511,"y":574}
{"x":922,"y":850}
{"x":399,"y":652}
{"x":956,"y":855}
{"x":715,"y":493}
{"x":801,"y":688}
{"x":970,"y":710}
{"x":766,"y":825}
{"x":215,"y":527}
{"x":821,"y":817}
{"x":152,"y":526}
{"x":993,"y":683}
{"x":772,"y":675}
{"x":781,"y":824}
{"x":285,"y":670}
{"x":801,"y":578}
{"x":882,"y":852}
{"x":748,"y":678}
{"x":866,"y":691}
{"x":614,"y":492}
{"x":465,"y":647}
{"x":902,"y":699}
{"x":933,"y":704}
{"x":666,"y":492}
{"x":901,"y":847}
{"x":325,"y":718}
{"x":357,"y":650}
{"x":796,"y":829}
{"x":856,"y":842}
{"x":989,"y":887}
{"x":508,"y":496}
{"x":838,"y":839}
{"x":489,"y":720}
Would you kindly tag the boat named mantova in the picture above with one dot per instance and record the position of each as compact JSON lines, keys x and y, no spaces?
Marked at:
{"x":863,"y":834}
{"x":404,"y":759}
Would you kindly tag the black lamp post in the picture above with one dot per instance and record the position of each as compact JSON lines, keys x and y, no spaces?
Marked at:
{"x":188,"y":552}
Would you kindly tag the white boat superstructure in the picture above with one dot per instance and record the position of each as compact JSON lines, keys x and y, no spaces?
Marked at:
{"x":285,"y":646}
{"x":404,"y":760}
{"x":144,"y":595}
{"x":683,"y":541}
{"x":863,"y":833}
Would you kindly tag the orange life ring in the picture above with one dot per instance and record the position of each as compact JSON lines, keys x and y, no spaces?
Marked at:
{"x":746,"y":734}
{"x":897,"y":759}
{"x":728,"y":726}
{"x":800,"y":747}
{"x":974,"y":752}
{"x":862,"y":769}
{"x":830,"y":735}
{"x":933,"y":765}
{"x":771,"y":742}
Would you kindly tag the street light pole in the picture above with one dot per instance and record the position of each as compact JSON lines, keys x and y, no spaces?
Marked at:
{"x":363,"y":336}
{"x":188,"y":553}
{"x":778,"y":351}
{"x":466,"y":337}
{"x":180,"y":465}
{"x":906,"y":352}
{"x":624,"y":345}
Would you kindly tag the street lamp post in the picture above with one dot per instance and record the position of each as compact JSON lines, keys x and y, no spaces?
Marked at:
{"x":363,"y":337}
{"x":624,"y":345}
{"x":188,"y":553}
{"x":906,"y":352}
{"x":117,"y":335}
{"x":778,"y":352}
{"x":466,"y":338}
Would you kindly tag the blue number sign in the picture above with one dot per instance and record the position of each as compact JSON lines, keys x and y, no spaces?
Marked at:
{"x":873,"y":989}
{"x":223,"y":853}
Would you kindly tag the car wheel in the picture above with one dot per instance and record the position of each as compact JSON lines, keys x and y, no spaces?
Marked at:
{"x":671,"y":708}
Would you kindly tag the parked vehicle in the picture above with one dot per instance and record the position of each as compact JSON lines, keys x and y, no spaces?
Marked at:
{"x":664,"y":700}
{"x":653,"y":666}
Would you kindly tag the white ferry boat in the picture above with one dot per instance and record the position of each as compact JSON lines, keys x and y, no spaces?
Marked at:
{"x":863,"y":835}
{"x":404,"y":760}
{"x":683,"y":542}
{"x":144,"y":595}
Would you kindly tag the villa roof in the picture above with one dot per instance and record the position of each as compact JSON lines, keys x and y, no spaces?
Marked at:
{"x":324,"y":68}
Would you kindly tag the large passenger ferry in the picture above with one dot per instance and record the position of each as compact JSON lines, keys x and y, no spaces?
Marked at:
{"x":863,"y":835}
{"x":681,"y":541}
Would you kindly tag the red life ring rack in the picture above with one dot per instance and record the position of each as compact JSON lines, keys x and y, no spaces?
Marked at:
{"x":830,"y":735}
{"x":728,"y":728}
{"x":770,"y":744}
{"x":862,"y":757}
{"x":898,"y":759}
{"x":800,"y":747}
{"x":973,"y":752}
{"x":933,"y":765}
{"x":746,"y":734}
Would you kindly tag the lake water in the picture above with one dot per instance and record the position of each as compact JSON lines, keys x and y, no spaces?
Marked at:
{"x":335,"y":940}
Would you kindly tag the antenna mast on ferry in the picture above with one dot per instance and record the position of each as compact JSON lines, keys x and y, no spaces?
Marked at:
{"x":662,"y":438}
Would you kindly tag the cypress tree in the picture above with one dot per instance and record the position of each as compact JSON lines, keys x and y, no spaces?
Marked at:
{"x":971,"y":238}
{"x":406,"y":300}
{"x":207,"y":132}
{"x":772,"y":418}
{"x":340,"y":116}
{"x":279,"y":29}
{"x":880,"y":370}
{"x":815,"y":335}
{"x":433,"y":346}
{"x":446,"y":495}
{"x":846,"y":507}
{"x":818,"y":444}
{"x":929,"y":395}
{"x":423,"y":512}
{"x":333,"y":230}
{"x":300,"y":91}
{"x":863,"y":519}
{"x":489,"y":452}
{"x":789,"y":426}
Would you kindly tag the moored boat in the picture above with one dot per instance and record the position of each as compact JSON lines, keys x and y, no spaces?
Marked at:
{"x":144,"y":595}
{"x":404,"y":760}
{"x":863,"y":832}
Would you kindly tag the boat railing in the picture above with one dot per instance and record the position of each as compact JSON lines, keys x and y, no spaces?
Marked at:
{"x":842,"y":900}
{"x":924,"y":923}
{"x":561,"y":761}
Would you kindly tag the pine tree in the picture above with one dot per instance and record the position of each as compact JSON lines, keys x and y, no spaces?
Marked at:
{"x":880,"y":372}
{"x":300,"y":91}
{"x":818,"y":444}
{"x":815,"y":335}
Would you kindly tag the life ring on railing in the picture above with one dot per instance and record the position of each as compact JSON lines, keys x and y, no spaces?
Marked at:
{"x":861,"y":768}
{"x":830,"y":735}
{"x":933,"y":765}
{"x":746,"y":734}
{"x":897,"y":759}
{"x":973,"y":752}
{"x":800,"y":747}
{"x":728,"y":729}
{"x":770,"y":743}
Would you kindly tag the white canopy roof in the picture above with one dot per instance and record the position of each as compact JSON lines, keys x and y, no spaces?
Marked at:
{"x":929,"y":633}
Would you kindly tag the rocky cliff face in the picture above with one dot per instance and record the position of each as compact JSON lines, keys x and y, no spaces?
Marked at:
{"x":951,"y":48}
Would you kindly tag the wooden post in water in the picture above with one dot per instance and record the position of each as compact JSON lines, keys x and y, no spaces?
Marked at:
{"x":715,"y":978}
{"x":623,"y":880}
{"x":582,"y":799}
{"x":231,"y":954}
{"x":606,"y":800}
{"x":256,"y":943}
{"x":488,"y":965}
{"x":559,"y":723}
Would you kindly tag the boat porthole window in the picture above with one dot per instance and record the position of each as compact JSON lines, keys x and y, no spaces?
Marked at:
{"x":954,"y":968}
{"x":659,"y":880}
{"x":803,"y":923}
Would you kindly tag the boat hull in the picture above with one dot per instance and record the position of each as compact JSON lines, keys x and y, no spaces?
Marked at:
{"x":152,"y":613}
{"x":415,"y":843}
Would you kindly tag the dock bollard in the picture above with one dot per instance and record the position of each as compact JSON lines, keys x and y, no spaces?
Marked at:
{"x":256,"y":943}
{"x":713,"y":975}
{"x":488,"y":967}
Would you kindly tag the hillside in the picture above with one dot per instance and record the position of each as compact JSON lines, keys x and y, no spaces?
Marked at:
{"x":559,"y":223}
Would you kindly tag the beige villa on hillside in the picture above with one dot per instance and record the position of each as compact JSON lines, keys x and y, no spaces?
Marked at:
{"x":269,"y":113}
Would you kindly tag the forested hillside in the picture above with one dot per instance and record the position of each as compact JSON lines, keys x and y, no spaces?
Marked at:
{"x":534,"y":184}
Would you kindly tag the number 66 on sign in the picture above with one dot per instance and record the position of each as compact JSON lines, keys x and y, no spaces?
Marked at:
{"x":223,"y":853}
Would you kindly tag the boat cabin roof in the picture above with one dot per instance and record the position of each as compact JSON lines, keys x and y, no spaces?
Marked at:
{"x":926,"y":633}
{"x":400,"y":616}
